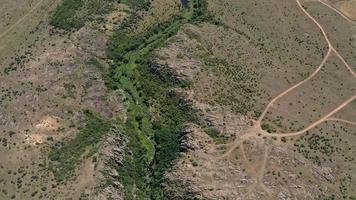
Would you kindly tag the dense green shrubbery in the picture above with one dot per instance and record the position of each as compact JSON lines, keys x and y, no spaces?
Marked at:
{"x":65,"y":156}
{"x":64,"y":17}
{"x":154,"y":136}
{"x":200,"y":10}
{"x":137,"y":4}
{"x":73,"y":14}
{"x":154,"y":140}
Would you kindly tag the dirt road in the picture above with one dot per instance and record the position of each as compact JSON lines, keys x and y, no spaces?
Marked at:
{"x":256,"y":132}
{"x":37,"y":5}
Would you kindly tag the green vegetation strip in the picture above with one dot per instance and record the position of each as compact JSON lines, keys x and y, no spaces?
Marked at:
{"x":67,"y":155}
{"x":156,"y":114}
{"x":73,"y":14}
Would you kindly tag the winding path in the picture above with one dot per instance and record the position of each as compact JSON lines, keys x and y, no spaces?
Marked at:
{"x":321,"y":120}
{"x":331,"y":49}
{"x":256,"y":131}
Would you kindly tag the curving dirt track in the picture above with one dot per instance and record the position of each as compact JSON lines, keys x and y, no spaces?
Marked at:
{"x":256,"y":132}
{"x":321,"y":120}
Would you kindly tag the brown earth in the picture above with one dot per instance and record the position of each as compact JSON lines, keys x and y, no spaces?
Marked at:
{"x":314,"y":162}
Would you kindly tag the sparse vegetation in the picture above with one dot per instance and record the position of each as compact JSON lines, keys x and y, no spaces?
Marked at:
{"x":231,"y":58}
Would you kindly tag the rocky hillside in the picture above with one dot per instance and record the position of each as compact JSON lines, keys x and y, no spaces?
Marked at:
{"x":169,"y":99}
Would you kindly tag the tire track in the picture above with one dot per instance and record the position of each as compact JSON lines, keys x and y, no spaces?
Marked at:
{"x":3,"y":34}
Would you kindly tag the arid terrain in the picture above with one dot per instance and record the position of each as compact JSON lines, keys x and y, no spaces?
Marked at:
{"x":298,"y":145}
{"x":169,"y":99}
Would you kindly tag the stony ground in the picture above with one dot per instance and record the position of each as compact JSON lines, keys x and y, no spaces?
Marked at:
{"x":273,"y":85}
{"x":298,"y":144}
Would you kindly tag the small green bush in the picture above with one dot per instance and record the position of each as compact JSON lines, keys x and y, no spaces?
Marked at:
{"x":267,"y":128}
{"x":216,"y":136}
